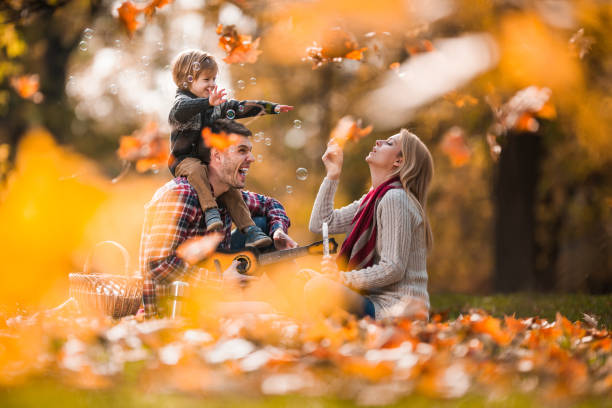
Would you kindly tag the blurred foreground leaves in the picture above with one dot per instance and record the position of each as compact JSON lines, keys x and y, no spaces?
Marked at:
{"x":269,"y":354}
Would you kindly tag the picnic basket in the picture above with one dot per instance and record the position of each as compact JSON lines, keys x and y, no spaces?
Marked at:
{"x":113,"y":295}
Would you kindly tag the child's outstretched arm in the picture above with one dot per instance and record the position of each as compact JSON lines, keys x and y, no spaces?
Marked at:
{"x":250,"y":108}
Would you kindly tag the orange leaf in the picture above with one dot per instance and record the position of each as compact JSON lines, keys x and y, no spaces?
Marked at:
{"x":349,"y":129}
{"x":147,"y":147}
{"x":220,"y":141}
{"x":127,"y":14}
{"x":239,"y":48}
{"x":197,"y":249}
{"x":394,"y":66}
{"x":455,"y":147}
{"x":491,"y":326}
{"x":26,"y":85}
{"x":356,"y":55}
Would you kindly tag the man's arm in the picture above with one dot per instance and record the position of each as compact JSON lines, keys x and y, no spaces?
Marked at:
{"x":261,"y":205}
{"x":248,"y":108}
{"x":171,"y":220}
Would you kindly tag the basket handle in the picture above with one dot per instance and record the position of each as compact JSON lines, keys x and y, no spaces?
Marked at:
{"x":124,"y":252}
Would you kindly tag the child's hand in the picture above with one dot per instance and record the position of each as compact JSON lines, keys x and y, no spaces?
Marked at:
{"x":217,"y":96}
{"x":282,"y":108}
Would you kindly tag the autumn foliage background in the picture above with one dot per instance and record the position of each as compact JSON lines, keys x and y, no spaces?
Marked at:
{"x":512,"y":98}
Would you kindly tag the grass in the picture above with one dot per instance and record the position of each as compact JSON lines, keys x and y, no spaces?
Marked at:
{"x":51,"y":395}
{"x":546,"y":306}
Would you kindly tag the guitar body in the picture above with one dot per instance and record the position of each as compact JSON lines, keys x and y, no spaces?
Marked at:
{"x":223,"y":258}
{"x":250,"y":260}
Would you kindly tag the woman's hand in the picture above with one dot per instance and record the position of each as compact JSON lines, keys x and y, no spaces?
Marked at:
{"x":329,"y":268}
{"x":217,"y":96}
{"x":332,"y":159}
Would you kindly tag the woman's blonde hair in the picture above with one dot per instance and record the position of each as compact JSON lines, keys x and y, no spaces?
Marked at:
{"x":416,"y":173}
{"x":188,"y":65}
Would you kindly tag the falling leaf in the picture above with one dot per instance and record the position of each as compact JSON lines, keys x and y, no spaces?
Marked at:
{"x":27,"y":87}
{"x":336,"y":45}
{"x":240,"y":48}
{"x":129,"y":13}
{"x":197,"y":249}
{"x":521,"y":111}
{"x":455,"y":147}
{"x":419,"y":47}
{"x":147,"y":147}
{"x":394,"y":66}
{"x":459,"y":99}
{"x":349,"y":129}
{"x":580,"y":44}
{"x":220,"y":141}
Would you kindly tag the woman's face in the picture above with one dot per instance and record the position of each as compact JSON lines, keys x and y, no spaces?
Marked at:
{"x":385,"y":153}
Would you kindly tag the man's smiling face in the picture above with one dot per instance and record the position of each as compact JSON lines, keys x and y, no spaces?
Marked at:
{"x":235,"y":162}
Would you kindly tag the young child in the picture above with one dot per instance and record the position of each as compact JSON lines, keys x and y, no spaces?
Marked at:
{"x":198,"y":103}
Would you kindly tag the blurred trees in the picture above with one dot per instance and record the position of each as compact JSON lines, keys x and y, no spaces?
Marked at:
{"x":511,"y":208}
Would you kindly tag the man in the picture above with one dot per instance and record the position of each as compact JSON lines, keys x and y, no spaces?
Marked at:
{"x":175,"y":215}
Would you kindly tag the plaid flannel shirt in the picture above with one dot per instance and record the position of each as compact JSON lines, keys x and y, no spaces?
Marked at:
{"x":174,"y":215}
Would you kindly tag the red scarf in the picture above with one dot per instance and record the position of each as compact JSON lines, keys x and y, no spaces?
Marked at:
{"x":357,"y":251}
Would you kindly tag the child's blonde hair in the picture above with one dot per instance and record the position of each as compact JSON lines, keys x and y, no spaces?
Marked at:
{"x":188,"y":65}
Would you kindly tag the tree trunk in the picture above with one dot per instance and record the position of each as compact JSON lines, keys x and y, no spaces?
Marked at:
{"x":515,"y":193}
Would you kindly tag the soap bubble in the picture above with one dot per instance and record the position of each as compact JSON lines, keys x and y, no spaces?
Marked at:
{"x":88,"y":33}
{"x":253,"y":81}
{"x":240,"y":108}
{"x":160,"y":46}
{"x":289,"y":189}
{"x":185,"y":85}
{"x":268,"y":141}
{"x":196,"y":66}
{"x":241,"y":84}
{"x":83,"y":46}
{"x":145,"y":60}
{"x":112,"y":88}
{"x":117,"y":44}
{"x":230,"y":114}
{"x":301,"y":174}
{"x":297,"y":123}
{"x":258,"y":137}
{"x":189,"y":78}
{"x":259,"y":158}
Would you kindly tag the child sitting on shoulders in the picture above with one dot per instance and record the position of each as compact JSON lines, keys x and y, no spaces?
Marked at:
{"x":197,"y":104}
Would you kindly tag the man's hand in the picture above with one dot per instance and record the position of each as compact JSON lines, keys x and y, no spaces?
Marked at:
{"x":217,"y":96}
{"x":234,"y":279}
{"x":283,"y":108}
{"x":282,"y":240}
{"x":333,"y":159}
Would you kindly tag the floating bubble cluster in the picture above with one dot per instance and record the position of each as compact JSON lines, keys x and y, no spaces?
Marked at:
{"x":88,"y":33}
{"x":301,"y":174}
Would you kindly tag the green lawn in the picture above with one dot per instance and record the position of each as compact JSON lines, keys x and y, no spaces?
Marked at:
{"x":546,"y":306}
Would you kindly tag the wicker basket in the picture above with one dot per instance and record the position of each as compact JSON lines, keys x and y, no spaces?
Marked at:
{"x":113,"y":295}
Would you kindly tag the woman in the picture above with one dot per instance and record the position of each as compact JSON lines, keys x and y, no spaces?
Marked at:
{"x":384,"y":254}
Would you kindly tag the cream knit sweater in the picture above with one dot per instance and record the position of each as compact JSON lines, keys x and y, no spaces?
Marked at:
{"x":399,"y":270}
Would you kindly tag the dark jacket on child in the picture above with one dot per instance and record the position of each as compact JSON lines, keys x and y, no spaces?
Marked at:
{"x":190,"y":114}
